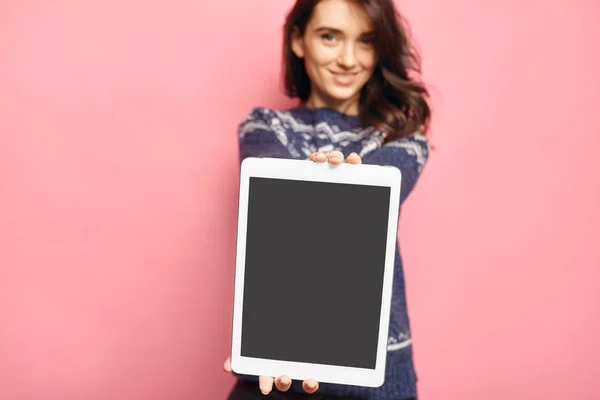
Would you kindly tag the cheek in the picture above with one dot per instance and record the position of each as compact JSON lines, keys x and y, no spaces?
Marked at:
{"x":319,"y":57}
{"x":312,"y":68}
{"x":367,"y":60}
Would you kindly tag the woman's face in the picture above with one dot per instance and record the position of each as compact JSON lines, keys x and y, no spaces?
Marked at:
{"x":338,"y":54}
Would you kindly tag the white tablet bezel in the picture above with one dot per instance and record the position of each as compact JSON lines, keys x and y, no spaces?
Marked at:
{"x":359,"y":174}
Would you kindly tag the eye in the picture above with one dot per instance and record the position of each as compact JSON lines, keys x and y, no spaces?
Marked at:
{"x":367,"y":41}
{"x":328,"y":37}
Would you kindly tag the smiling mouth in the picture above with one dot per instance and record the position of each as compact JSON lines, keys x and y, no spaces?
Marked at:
{"x":344,"y":78}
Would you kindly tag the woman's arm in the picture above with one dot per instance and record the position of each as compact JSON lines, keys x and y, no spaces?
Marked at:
{"x":407,"y":154}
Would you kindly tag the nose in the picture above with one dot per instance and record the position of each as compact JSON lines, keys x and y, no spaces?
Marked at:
{"x":347,"y":58}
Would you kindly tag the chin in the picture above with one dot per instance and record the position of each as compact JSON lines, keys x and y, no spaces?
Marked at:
{"x":340,"y":94}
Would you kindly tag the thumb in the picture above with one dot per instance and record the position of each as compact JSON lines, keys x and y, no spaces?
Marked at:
{"x":227,"y":365}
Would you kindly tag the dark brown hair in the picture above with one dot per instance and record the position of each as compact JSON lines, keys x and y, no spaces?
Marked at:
{"x":394,"y":100}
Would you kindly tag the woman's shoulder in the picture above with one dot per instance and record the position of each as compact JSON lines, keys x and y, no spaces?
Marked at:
{"x":259,"y":114}
{"x":267,"y":118}
{"x":257,"y":118}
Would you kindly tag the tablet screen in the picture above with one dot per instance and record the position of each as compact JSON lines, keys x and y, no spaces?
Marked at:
{"x":314,"y":271}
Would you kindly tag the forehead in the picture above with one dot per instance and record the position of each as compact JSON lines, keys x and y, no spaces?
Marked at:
{"x":348,"y":16}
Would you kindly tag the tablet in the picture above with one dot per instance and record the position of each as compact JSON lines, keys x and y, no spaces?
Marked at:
{"x":314,"y":266}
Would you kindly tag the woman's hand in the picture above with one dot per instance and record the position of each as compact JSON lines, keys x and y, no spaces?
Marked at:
{"x":335,"y":157}
{"x":282,"y":383}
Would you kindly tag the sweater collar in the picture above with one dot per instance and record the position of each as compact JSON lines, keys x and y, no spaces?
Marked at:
{"x":331,"y":116}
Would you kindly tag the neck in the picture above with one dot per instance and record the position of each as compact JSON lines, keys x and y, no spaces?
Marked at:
{"x":347,"y":106}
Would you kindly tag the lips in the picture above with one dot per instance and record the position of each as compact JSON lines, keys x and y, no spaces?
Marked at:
{"x":344,"y":78}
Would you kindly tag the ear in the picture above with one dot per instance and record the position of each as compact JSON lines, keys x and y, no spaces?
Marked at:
{"x":297,"y":43}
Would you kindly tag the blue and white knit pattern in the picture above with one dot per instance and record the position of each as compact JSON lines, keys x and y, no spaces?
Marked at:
{"x":301,"y":131}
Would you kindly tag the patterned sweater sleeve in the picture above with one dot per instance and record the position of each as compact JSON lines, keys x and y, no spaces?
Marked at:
{"x":408,"y":154}
{"x":259,"y":136}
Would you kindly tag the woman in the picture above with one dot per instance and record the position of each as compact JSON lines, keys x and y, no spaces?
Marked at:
{"x":351,"y":65}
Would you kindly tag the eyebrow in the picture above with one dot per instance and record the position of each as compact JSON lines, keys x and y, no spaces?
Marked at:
{"x":335,"y":30}
{"x":327,"y":28}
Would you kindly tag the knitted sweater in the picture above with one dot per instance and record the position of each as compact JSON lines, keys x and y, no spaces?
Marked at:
{"x":296,"y":134}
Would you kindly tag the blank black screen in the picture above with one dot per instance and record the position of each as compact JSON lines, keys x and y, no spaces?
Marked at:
{"x":315,"y":256}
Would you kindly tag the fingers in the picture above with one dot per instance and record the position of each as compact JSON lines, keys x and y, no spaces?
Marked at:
{"x":283,"y":383}
{"x":310,"y":386}
{"x":265,"y":383}
{"x":318,"y":157}
{"x":335,"y":157}
{"x":354,"y":158}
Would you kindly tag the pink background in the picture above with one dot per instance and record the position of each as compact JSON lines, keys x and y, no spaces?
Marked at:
{"x":118,"y":174}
